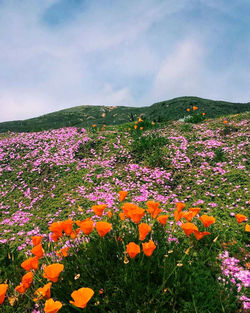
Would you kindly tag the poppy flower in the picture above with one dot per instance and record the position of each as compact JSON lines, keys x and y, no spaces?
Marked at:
{"x":162,"y":219}
{"x":26,"y":282}
{"x":199,"y":235}
{"x":37,"y":251}
{"x":136,"y":215}
{"x":153,"y":208}
{"x":247,"y":228}
{"x":178,"y":215}
{"x":148,"y":248}
{"x":133,"y":249}
{"x":93,"y":125}
{"x":52,"y":306}
{"x":189,"y":228}
{"x":128,"y":208}
{"x":103,"y":228}
{"x":122,"y":195}
{"x":36,"y":240}
{"x":43,"y":292}
{"x":52,"y":272}
{"x":109,"y":213}
{"x":81,"y":297}
{"x":203,"y":114}
{"x":207,"y":220}
{"x":225,"y":122}
{"x":67,"y":227}
{"x":195,"y":210}
{"x":56,"y":228}
{"x":20,"y":288}
{"x":240,"y":218}
{"x":98,"y":209}
{"x":188,"y":215}
{"x":54,"y":237}
{"x":188,"y":109}
{"x":31,"y":263}
{"x":135,"y":126}
{"x":86,"y":226}
{"x":144,"y":229}
{"x":179,"y":206}
{"x":63,"y":252}
{"x":195,"y":108}
{"x":122,"y":216}
{"x":3,"y":289}
{"x":74,"y":233}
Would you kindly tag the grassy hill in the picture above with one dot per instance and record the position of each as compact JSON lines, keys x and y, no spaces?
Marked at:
{"x":84,"y":116}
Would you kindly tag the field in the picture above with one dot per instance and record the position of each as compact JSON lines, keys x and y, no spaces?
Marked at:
{"x":190,"y":260}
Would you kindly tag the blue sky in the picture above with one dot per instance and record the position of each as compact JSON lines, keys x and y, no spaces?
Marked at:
{"x":56,"y":54}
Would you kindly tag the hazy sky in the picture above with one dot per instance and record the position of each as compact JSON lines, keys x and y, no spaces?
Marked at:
{"x":56,"y":54}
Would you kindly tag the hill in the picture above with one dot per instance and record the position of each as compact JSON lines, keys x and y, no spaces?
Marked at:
{"x":85,"y":116}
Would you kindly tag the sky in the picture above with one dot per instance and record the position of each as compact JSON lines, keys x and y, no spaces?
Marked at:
{"x":56,"y":54}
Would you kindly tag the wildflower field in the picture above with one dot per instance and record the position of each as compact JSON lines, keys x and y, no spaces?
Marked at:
{"x":140,"y":217}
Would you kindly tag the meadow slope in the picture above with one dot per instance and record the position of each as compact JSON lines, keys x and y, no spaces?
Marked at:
{"x":60,"y":174}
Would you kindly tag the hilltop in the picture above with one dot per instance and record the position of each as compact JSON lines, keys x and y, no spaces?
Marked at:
{"x":86,"y":115}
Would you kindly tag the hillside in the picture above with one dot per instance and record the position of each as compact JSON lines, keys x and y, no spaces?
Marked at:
{"x":85,"y":116}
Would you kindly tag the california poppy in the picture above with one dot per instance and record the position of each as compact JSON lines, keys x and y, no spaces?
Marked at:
{"x":144,"y":229}
{"x":162,"y":219}
{"x":225,"y":122}
{"x":153,"y":208}
{"x":67,"y":227}
{"x":52,"y":306}
{"x":74,"y":233}
{"x":133,"y":249}
{"x":195,"y":108}
{"x":31,"y":263}
{"x":103,"y":228}
{"x":189,"y":228}
{"x":135,"y":126}
{"x":179,"y":206}
{"x":98,"y":209}
{"x":37,"y":250}
{"x":207,"y":220}
{"x":86,"y":226}
{"x":43,"y":292}
{"x":148,"y":248}
{"x":199,"y":235}
{"x":3,"y":289}
{"x":136,"y":215}
{"x":26,"y":282}
{"x":189,"y":215}
{"x":63,"y":252}
{"x":52,"y":272}
{"x":20,"y":288}
{"x":81,"y":297}
{"x":36,"y":240}
{"x":109,"y":213}
{"x":56,"y":228}
{"x":188,"y":109}
{"x":195,"y":210}
{"x":122,"y":195}
{"x":128,"y":208}
{"x":203,"y":114}
{"x":178,"y":215}
{"x":122,"y":216}
{"x":247,"y":228}
{"x":240,"y":218}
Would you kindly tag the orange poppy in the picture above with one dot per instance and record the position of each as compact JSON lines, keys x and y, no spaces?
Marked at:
{"x":195,"y":210}
{"x":225,"y":122}
{"x":3,"y":290}
{"x":98,"y":209}
{"x":136,"y":215}
{"x":109,"y":213}
{"x":93,"y":125}
{"x":135,"y":126}
{"x":203,"y":114}
{"x":36,"y":240}
{"x":122,"y":195}
{"x":240,"y":218}
{"x":43,"y":292}
{"x":67,"y":227}
{"x":52,"y":272}
{"x":122,"y":216}
{"x":56,"y":228}
{"x":189,"y":215}
{"x":141,"y":128}
{"x":153,"y":208}
{"x":103,"y":228}
{"x":195,"y":108}
{"x":162,"y":219}
{"x":37,"y":251}
{"x":247,"y":228}
{"x":144,"y":229}
{"x":128,"y":208}
{"x":54,"y":237}
{"x":74,"y":233}
{"x":188,"y":109}
{"x":26,"y":282}
{"x":81,"y":297}
{"x":31,"y":263}
{"x":148,"y":248}
{"x":52,"y":306}
{"x":207,"y":220}
{"x":189,"y":228}
{"x":178,"y":215}
{"x":86,"y":226}
{"x":63,"y":252}
{"x":133,"y":249}
{"x":20,"y":288}
{"x":179,"y":206}
{"x":199,"y":235}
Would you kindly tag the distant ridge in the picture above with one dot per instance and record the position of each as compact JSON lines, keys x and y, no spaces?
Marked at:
{"x":85,"y":116}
